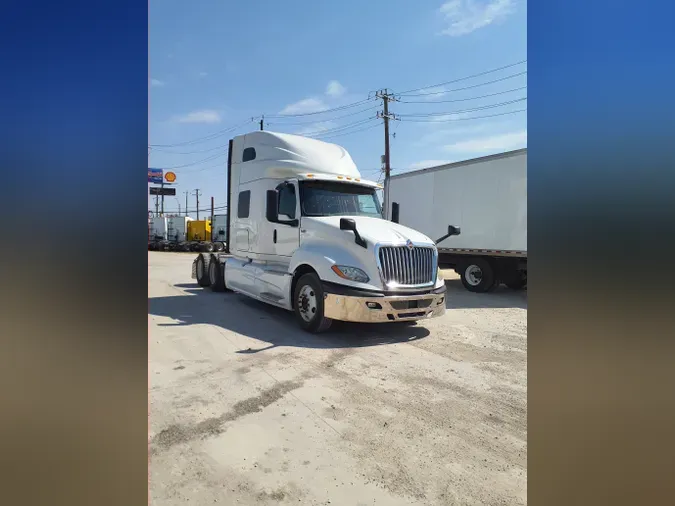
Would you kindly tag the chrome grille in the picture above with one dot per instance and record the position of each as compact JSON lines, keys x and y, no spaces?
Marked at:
{"x":408,"y":267}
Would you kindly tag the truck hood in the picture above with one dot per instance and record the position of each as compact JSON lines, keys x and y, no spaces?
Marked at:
{"x":373,"y":230}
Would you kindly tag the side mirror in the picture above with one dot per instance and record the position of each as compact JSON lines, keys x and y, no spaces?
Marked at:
{"x":452,"y":230}
{"x":394,"y":212}
{"x":272,"y":211}
{"x":350,"y":225}
{"x":347,"y":224}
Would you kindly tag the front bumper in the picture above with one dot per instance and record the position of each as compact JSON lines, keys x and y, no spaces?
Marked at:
{"x":342,"y":303}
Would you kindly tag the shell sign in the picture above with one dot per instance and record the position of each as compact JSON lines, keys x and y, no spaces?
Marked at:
{"x":170,"y":177}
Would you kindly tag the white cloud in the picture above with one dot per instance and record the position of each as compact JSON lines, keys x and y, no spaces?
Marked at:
{"x":427,"y":163}
{"x":317,"y":127}
{"x":203,"y":116}
{"x":503,"y":142}
{"x":335,"y":89}
{"x":156,"y":82}
{"x":466,"y":16}
{"x":305,"y":106}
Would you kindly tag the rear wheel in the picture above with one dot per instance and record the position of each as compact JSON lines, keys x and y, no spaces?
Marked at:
{"x":216,"y":278}
{"x":202,"y":274}
{"x":478,"y":275}
{"x":219,"y":246}
{"x":308,"y":304}
{"x":518,"y":283}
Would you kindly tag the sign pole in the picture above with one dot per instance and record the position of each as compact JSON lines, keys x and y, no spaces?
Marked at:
{"x":162,"y":191}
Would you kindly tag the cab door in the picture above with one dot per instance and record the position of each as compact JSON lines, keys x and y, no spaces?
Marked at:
{"x":286,"y":238}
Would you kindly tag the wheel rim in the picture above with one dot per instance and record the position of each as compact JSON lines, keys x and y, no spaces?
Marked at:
{"x":307,"y":303}
{"x":473,"y":275}
{"x":200,"y":269}
{"x":212,"y":273}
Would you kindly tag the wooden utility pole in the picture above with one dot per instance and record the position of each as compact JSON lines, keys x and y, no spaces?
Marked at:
{"x":386,"y":97}
{"x":186,"y":202}
{"x":196,"y":194}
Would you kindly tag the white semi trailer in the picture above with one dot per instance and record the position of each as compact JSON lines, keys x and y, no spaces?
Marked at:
{"x":305,"y":233}
{"x":487,"y":198}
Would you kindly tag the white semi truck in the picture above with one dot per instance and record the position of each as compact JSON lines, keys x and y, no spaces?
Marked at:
{"x":305,"y":233}
{"x":487,"y":198}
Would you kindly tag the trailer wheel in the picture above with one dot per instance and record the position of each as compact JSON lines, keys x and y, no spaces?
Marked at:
{"x":208,"y":247}
{"x":308,"y":304}
{"x":478,"y":275}
{"x":216,"y":278}
{"x":518,"y":283}
{"x":219,"y":246}
{"x":202,"y":272}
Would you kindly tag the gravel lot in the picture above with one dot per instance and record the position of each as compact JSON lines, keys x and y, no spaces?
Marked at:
{"x":247,"y":409}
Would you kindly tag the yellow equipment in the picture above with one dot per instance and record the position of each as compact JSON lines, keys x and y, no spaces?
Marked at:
{"x":199,"y":230}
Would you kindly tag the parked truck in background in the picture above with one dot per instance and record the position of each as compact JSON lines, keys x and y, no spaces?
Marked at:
{"x":487,"y":198}
{"x":219,"y":228}
{"x":305,"y":233}
{"x":177,"y":227}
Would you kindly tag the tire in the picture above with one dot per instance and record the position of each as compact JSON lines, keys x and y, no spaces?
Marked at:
{"x":208,"y":247}
{"x":308,"y":304}
{"x":518,"y":283}
{"x":216,"y":278}
{"x":219,"y":246}
{"x":202,"y":272}
{"x":478,"y":275}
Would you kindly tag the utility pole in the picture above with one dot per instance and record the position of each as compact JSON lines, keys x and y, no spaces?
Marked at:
{"x":162,"y":190}
{"x":386,"y":97}
{"x":197,"y":194}
{"x":211,"y":211}
{"x":156,"y":205}
{"x":262,"y":119}
{"x":186,"y":203}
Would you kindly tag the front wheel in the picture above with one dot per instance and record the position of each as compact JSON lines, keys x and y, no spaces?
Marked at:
{"x":308,"y":304}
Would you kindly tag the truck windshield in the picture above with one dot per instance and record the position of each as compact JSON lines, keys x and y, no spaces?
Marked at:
{"x":321,"y":198}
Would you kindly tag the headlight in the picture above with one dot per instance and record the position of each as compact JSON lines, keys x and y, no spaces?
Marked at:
{"x":351,"y":273}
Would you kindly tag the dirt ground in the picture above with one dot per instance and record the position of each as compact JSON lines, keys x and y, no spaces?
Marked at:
{"x":247,"y":409}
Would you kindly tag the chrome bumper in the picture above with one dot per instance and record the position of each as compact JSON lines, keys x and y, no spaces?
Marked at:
{"x":380,"y":309}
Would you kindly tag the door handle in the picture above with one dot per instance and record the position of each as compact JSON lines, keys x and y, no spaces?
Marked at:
{"x":275,"y":236}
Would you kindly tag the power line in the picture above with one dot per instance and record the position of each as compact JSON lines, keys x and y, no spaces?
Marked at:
{"x":208,"y":159}
{"x":160,"y":150}
{"x":338,"y":128}
{"x":340,"y":108}
{"x":460,"y":99}
{"x":465,"y":88}
{"x":461,"y":111}
{"x":206,"y":138}
{"x":329,"y":119}
{"x":352,"y":131}
{"x":414,"y":120}
{"x":463,"y":78}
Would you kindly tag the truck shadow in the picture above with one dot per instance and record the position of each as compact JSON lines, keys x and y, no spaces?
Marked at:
{"x":458,"y":297}
{"x":269,"y":324}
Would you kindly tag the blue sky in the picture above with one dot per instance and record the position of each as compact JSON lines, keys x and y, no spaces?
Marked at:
{"x":214,"y":64}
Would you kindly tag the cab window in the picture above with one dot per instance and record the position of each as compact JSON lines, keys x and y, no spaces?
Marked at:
{"x":287,"y":200}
